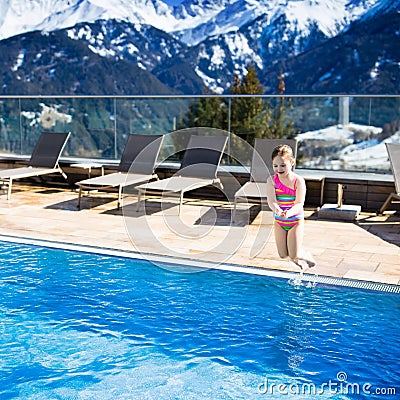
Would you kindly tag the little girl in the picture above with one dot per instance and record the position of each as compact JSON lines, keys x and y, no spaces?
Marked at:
{"x":286,"y":192}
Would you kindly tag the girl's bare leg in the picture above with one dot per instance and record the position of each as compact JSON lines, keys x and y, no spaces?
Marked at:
{"x":294,"y":243}
{"x":281,"y":241}
{"x":295,"y":246}
{"x":308,"y":258}
{"x":295,"y":240}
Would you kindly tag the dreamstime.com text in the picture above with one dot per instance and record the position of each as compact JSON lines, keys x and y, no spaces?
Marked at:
{"x":340,"y":386}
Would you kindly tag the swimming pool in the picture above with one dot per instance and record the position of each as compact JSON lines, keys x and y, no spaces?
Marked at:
{"x":76,"y":325}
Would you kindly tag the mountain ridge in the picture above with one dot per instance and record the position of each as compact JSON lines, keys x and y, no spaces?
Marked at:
{"x":272,"y":39}
{"x":362,"y":60}
{"x":54,"y":64}
{"x":209,"y":16}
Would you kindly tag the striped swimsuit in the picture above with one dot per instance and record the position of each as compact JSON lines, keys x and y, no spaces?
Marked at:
{"x":285,"y":198}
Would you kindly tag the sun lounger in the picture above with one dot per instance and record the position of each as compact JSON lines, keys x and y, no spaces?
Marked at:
{"x":43,"y":161}
{"x":136,"y":166}
{"x":394,"y":158}
{"x":198,"y":169}
{"x":261,"y":168}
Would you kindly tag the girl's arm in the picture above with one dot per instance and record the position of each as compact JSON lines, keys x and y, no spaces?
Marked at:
{"x":300,"y":198}
{"x":271,"y":198}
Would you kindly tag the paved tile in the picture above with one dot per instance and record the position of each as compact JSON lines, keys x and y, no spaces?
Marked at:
{"x":371,"y":276}
{"x":358,"y":265}
{"x":367,"y":250}
{"x":348,"y":255}
{"x":389,"y":269}
{"x":388,"y":259}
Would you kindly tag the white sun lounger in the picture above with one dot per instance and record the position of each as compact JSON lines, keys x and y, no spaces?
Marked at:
{"x":198,"y":169}
{"x":136,"y":166}
{"x":393,"y":150}
{"x":255,"y":190}
{"x":43,"y":161}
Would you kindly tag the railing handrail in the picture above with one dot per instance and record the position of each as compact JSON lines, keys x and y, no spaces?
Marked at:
{"x":189,"y":96}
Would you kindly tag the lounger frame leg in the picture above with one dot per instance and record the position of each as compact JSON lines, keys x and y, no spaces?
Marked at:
{"x":234,"y":209}
{"x":79,"y":197}
{"x":388,"y":201}
{"x":64,"y":175}
{"x":9,"y":189}
{"x":264,"y":204}
{"x":119,"y":196}
{"x":138,"y":200}
{"x":180,"y":203}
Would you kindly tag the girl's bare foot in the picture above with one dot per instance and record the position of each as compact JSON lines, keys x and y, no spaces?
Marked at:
{"x":310,"y":263}
{"x":298,"y":262}
{"x":308,"y":258}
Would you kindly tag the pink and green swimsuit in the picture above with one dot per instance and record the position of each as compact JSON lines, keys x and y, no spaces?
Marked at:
{"x":285,"y":198}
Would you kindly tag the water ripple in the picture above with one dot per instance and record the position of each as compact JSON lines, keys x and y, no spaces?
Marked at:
{"x":74,"y":325}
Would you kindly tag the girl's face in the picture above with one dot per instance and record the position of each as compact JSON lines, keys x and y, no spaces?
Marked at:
{"x":281,"y":166}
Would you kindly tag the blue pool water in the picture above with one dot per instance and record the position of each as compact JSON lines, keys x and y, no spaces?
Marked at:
{"x":76,"y":325}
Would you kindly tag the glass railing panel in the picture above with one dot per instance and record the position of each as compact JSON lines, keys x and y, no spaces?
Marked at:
{"x":334,"y":132}
{"x":10,"y":127}
{"x":150,"y":115}
{"x":313,"y":118}
{"x":90,"y":120}
{"x":354,"y":136}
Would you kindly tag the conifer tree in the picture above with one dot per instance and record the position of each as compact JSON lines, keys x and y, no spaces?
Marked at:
{"x":206,"y":111}
{"x":250,"y":115}
{"x":280,"y":126}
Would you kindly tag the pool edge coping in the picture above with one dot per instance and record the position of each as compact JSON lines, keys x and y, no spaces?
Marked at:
{"x":204,"y":265}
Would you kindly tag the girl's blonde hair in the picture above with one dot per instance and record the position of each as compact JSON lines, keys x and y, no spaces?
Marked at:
{"x":284,"y":151}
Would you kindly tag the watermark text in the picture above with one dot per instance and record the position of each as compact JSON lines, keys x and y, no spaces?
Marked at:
{"x":338,"y":386}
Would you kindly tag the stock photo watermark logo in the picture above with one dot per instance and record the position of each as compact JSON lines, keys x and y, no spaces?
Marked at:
{"x":340,"y":386}
{"x":161,"y":223}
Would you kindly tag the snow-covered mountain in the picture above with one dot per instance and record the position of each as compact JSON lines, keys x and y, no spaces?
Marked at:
{"x":20,"y":16}
{"x":192,"y":21}
{"x":197,"y":43}
{"x":343,"y":148}
{"x":380,"y":8}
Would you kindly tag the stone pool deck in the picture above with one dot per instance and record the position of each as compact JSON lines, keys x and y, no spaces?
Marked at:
{"x":366,"y":250}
